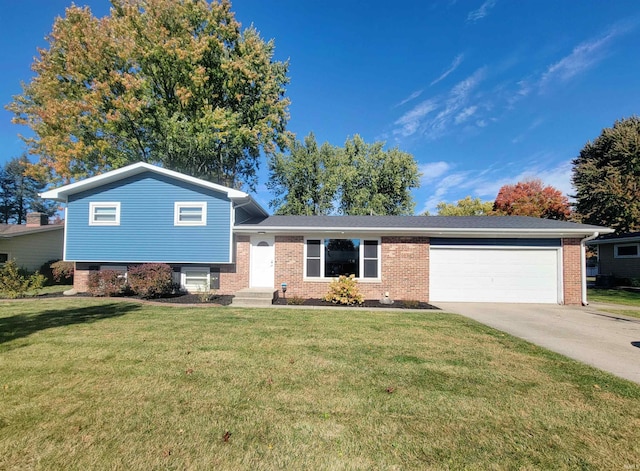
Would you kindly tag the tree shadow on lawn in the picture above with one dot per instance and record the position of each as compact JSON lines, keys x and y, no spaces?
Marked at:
{"x":21,"y":325}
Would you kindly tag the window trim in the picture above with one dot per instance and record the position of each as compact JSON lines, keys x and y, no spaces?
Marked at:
{"x":103,"y":204}
{"x":361,"y":258}
{"x":178,"y":205}
{"x":617,"y":246}
{"x":8,"y":255}
{"x":183,"y":277}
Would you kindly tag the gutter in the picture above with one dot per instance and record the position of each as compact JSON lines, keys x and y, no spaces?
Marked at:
{"x":583,"y":266}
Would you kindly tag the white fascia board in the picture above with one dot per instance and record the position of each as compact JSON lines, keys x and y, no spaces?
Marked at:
{"x":429,"y":232}
{"x":61,"y":194}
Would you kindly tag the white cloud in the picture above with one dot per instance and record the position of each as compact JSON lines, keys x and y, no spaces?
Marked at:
{"x":410,"y":121}
{"x":481,"y":12}
{"x":451,"y":109}
{"x":413,"y":96}
{"x":584,"y":56}
{"x":558,"y":177}
{"x":465,"y":114}
{"x":433,"y":170}
{"x":455,"y":180}
{"x":454,"y":65}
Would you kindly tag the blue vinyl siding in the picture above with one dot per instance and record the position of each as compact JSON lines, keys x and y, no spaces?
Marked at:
{"x":147,"y":232}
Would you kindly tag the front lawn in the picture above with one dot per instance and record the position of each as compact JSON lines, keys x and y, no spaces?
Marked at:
{"x":614,"y":296}
{"x":107,"y":384}
{"x":617,"y":296}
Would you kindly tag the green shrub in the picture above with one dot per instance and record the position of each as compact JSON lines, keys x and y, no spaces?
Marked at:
{"x":344,"y":290}
{"x":62,"y":272}
{"x":16,"y":283}
{"x":151,"y":280}
{"x":295,"y":300}
{"x":107,"y":283}
{"x":410,"y":304}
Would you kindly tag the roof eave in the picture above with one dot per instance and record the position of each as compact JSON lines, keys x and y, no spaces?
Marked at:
{"x":431,"y":231}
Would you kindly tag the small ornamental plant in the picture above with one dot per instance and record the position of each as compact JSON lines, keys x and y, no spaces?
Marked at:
{"x":345,"y":291}
{"x":16,"y":283}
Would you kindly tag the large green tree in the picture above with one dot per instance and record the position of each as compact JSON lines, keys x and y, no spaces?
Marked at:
{"x":175,"y":82}
{"x":359,"y":179}
{"x":375,"y":181}
{"x":606,"y":176}
{"x":465,"y":207}
{"x":19,"y":192}
{"x":305,"y":180}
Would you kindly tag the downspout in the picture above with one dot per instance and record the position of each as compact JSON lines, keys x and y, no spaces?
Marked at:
{"x":583,"y":265}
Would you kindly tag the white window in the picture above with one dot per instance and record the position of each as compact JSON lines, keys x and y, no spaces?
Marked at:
{"x":330,"y":258}
{"x":104,"y":214}
{"x":4,"y":258}
{"x":190,"y":214}
{"x":626,"y":251}
{"x":195,"y":279}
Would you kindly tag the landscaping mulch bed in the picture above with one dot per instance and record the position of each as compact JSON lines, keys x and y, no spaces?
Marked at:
{"x":225,"y":300}
{"x":368,"y":303}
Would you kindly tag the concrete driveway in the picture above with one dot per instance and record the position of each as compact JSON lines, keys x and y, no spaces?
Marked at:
{"x":606,"y":341}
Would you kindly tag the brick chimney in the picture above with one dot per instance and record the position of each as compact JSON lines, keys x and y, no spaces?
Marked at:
{"x":37,"y":219}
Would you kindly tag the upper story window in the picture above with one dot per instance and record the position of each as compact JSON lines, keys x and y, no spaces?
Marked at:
{"x":626,"y":250}
{"x":330,"y":258}
{"x":188,"y":213}
{"x":104,"y":214}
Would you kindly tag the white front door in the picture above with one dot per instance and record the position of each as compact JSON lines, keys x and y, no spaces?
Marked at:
{"x":262,"y":262}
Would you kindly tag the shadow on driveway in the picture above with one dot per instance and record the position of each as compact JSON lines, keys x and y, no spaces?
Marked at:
{"x":21,"y":325}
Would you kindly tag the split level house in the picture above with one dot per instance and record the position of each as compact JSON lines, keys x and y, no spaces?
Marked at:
{"x":222,"y":238}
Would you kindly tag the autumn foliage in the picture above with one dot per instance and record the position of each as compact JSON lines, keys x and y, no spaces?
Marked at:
{"x":532,"y":198}
{"x":173,"y":82}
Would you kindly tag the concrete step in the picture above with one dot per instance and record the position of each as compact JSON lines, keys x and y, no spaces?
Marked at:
{"x":251,"y":297}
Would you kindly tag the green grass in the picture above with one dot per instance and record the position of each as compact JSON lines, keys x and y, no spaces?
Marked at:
{"x":106,"y":384}
{"x":52,"y":289}
{"x":614,"y":296}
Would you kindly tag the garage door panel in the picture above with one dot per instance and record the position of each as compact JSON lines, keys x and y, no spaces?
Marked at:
{"x":493,"y":275}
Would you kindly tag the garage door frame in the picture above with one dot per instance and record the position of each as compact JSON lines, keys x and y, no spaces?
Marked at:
{"x":493,"y":246}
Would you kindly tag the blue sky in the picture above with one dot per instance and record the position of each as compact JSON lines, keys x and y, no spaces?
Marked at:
{"x":481,"y":92}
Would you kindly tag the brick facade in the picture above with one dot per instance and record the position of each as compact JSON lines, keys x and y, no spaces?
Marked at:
{"x":405,"y":269}
{"x":572,"y":271}
{"x":233,"y":277}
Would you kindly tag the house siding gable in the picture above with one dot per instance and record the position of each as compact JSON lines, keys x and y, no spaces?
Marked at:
{"x":146,"y":232}
{"x":618,"y":267}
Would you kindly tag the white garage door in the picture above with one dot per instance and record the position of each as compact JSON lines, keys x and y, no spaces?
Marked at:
{"x":508,"y":275}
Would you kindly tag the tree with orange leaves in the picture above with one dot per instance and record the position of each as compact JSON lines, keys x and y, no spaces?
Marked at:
{"x":172,"y":82}
{"x":532,"y":198}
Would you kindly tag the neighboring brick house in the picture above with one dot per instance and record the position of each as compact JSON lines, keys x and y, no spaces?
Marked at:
{"x":221,"y":237}
{"x":618,"y":255}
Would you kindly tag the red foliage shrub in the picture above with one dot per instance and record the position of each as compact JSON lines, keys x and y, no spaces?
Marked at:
{"x":107,"y":283}
{"x":151,"y":280}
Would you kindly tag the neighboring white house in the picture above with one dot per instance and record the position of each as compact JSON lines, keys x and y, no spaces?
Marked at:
{"x":33,"y":243}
